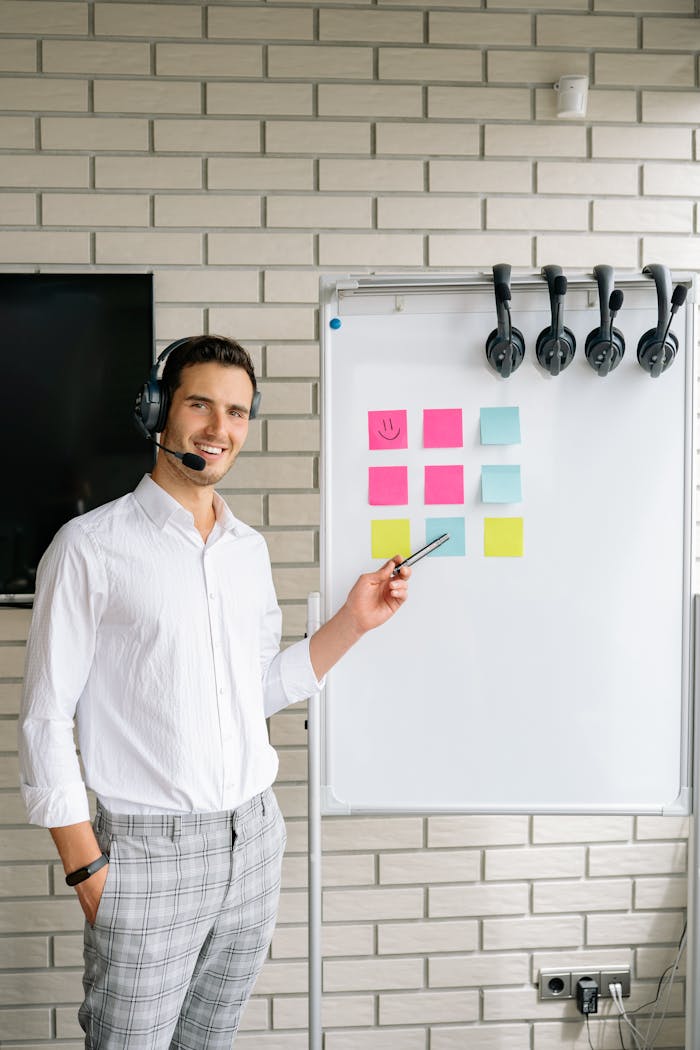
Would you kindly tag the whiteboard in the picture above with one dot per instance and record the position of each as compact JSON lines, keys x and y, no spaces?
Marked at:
{"x":552,"y":682}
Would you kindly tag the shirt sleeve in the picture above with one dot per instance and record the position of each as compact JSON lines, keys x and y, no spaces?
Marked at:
{"x":70,"y":594}
{"x":287,"y":675}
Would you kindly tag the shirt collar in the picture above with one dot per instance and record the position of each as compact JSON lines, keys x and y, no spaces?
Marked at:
{"x":160,"y":507}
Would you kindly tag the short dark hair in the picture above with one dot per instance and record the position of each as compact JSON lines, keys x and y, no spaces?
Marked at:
{"x":201,"y":349}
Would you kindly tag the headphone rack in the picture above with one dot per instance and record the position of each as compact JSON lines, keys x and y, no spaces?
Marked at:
{"x":605,"y":344}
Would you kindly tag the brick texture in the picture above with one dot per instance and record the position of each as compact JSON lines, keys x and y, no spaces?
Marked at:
{"x":239,"y":150}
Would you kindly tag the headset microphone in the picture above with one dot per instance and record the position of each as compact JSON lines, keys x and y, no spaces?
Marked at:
{"x":502,"y":292}
{"x":189,"y":459}
{"x":614,"y":304}
{"x":677,"y":300}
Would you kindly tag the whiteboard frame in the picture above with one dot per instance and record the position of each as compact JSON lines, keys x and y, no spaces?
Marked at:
{"x":332,"y":290}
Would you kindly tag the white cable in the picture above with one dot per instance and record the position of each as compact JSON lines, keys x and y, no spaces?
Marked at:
{"x":651,"y":1039}
{"x":616,"y":994}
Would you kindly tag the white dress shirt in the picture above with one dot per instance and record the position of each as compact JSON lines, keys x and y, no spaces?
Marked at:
{"x":166,"y":649}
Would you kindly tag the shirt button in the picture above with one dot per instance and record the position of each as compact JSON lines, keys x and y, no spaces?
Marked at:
{"x":211,"y":594}
{"x":221,"y":690}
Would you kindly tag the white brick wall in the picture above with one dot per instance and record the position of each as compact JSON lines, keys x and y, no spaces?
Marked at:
{"x":238,"y":149}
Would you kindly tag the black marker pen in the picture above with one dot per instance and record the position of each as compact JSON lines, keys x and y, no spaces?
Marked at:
{"x":428,"y":549}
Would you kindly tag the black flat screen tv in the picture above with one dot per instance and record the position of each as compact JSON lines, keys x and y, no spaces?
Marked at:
{"x":74,"y":351}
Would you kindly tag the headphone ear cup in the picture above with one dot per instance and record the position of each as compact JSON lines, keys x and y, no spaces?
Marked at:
{"x":496,"y":348}
{"x":519,"y":345}
{"x":491,"y":339}
{"x":544,"y":348}
{"x":255,"y":406}
{"x":493,"y":342}
{"x":543,"y":337}
{"x":590,"y":338}
{"x":160,"y":400}
{"x":597,"y":345}
{"x":149,"y":408}
{"x":569,"y":340}
{"x":647,"y":345}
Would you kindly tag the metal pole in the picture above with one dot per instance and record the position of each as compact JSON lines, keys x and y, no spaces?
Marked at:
{"x":692,"y":1017}
{"x":313,"y":613}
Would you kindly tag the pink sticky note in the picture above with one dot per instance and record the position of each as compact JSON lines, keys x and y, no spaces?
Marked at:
{"x":388,"y":486}
{"x":444,"y":484}
{"x":442,"y":428}
{"x":388,"y":429}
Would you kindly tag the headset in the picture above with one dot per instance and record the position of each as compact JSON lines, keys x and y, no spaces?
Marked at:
{"x":556,"y":345}
{"x":657,"y":348}
{"x":505,"y":346}
{"x":152,"y":404}
{"x":605,"y":345}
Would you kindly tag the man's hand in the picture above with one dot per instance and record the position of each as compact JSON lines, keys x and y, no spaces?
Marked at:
{"x":371,"y":602}
{"x":378,"y":595}
{"x":78,"y":847}
{"x":90,"y":893}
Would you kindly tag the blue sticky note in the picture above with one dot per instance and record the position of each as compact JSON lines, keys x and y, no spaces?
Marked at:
{"x":455,"y":547}
{"x":500,"y":426}
{"x":501,"y":484}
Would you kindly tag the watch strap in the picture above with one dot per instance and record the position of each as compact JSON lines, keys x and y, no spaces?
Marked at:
{"x":81,"y":874}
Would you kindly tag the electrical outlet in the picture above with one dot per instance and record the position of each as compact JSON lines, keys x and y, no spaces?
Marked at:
{"x":555,"y":984}
{"x":620,"y":976}
{"x":561,"y":984}
{"x":577,"y":975}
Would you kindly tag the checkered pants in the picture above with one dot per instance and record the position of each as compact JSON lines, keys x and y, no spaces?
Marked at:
{"x":183,"y":926}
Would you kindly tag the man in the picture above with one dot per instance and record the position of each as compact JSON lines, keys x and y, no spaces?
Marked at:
{"x":156,"y":623}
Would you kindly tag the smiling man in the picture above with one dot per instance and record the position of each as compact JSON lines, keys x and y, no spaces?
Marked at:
{"x":156,"y":626}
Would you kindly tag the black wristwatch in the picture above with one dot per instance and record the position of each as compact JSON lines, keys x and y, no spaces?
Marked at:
{"x":84,"y":873}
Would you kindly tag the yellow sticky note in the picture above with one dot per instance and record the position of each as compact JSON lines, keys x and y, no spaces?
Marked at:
{"x":503,"y":537}
{"x":391,"y":536}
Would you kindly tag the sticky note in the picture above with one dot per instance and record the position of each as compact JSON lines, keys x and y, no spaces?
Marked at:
{"x":500,"y":426}
{"x":503,"y":537}
{"x":391,"y":536}
{"x":388,"y":486}
{"x":501,"y":484}
{"x":454,"y":547}
{"x":388,"y":429}
{"x":442,"y":428}
{"x":444,"y":484}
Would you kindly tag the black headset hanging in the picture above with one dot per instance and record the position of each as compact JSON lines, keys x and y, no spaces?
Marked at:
{"x":657,"y":348}
{"x":505,"y":346}
{"x":605,"y":345}
{"x":556,"y":345}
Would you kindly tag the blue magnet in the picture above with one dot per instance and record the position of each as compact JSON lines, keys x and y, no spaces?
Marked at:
{"x":335,"y":322}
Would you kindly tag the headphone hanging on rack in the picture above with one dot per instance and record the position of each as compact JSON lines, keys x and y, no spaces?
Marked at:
{"x":556,"y":345}
{"x":505,"y":346}
{"x":657,"y":348}
{"x":605,"y":345}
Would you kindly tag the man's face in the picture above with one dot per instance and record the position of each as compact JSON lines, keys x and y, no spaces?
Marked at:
{"x":209,"y":417}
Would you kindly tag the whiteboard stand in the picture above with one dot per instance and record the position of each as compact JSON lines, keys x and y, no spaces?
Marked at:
{"x":692,"y":1018}
{"x":591,"y":451}
{"x":313,"y":622}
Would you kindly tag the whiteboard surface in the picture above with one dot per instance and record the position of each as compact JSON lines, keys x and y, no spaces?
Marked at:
{"x":552,"y":682}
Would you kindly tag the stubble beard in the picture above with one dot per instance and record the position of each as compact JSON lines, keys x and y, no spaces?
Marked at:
{"x":212,"y":473}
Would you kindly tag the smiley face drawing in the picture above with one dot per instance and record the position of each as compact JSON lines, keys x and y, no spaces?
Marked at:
{"x":388,"y":429}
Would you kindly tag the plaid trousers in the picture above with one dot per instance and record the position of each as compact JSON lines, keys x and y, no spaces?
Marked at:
{"x":183,"y":926}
